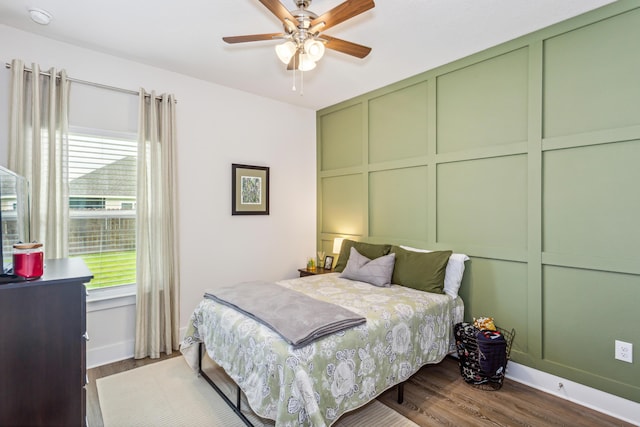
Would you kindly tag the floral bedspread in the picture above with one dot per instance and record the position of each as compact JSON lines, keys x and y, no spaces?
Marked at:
{"x":316,"y":384}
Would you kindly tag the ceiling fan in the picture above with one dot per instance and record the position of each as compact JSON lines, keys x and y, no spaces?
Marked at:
{"x":304,"y":44}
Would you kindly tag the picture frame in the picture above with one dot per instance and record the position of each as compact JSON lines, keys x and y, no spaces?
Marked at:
{"x":328,"y":262}
{"x":249,"y":190}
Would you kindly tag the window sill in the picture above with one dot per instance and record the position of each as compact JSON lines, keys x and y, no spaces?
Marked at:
{"x":108,"y":298}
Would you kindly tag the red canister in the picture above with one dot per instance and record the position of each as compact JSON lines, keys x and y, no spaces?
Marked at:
{"x":28,"y":260}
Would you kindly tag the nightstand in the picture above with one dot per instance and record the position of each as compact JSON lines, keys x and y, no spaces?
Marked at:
{"x":318,"y":270}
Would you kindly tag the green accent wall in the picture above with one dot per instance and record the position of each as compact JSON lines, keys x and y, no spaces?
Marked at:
{"x":526,"y":157}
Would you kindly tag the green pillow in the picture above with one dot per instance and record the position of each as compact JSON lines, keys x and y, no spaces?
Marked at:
{"x":420,"y":270}
{"x":370,"y":250}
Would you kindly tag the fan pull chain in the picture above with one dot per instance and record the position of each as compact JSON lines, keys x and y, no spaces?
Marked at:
{"x":293,"y":88}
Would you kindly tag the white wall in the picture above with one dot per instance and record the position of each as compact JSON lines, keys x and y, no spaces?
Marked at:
{"x":217,"y":126}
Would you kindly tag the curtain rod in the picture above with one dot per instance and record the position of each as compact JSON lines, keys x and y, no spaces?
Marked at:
{"x":84,"y":82}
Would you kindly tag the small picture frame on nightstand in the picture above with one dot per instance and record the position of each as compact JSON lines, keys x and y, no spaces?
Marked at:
{"x":328,"y":262}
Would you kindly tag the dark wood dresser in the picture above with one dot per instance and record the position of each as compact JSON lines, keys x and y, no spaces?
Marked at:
{"x":42,"y":347}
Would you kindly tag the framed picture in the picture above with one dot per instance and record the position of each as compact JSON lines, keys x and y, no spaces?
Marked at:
{"x":328,"y":262}
{"x":249,"y":190}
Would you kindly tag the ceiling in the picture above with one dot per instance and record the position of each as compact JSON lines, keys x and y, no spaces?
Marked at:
{"x":407,"y":37}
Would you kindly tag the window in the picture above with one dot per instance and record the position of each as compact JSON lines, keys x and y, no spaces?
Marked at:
{"x":102,"y":196}
{"x":86,"y":202}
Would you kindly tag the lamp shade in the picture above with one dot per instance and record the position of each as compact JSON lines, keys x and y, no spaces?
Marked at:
{"x":285,"y":51}
{"x":306,"y":63}
{"x":337,"y":244}
{"x":314,"y":48}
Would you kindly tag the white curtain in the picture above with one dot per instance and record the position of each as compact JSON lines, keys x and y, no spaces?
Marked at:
{"x":157,"y":309}
{"x":38,"y":137}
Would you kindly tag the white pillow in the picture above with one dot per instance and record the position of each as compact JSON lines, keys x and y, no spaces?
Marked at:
{"x":376,"y":272}
{"x":453,"y":273}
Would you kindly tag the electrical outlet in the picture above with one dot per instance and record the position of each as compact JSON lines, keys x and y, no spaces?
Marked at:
{"x":624,"y":351}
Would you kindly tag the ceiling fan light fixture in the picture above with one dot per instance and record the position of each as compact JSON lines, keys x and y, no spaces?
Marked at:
{"x":285,"y":51}
{"x":314,"y":48}
{"x":304,"y":44}
{"x":306,"y":63}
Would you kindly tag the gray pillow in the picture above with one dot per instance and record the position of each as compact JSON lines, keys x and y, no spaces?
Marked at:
{"x":376,"y":272}
{"x":370,"y":250}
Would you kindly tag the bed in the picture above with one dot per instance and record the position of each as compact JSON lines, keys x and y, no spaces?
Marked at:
{"x":315,"y":384}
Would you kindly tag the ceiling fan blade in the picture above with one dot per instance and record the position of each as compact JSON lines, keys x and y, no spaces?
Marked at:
{"x":342,"y":12}
{"x":344,"y":46}
{"x":252,"y":38}
{"x":279,"y":10}
{"x":295,"y":60}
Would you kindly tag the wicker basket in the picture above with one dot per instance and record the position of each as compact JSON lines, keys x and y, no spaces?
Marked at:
{"x":474,"y":360}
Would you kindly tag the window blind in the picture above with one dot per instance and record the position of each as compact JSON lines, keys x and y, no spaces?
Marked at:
{"x":102,"y":202}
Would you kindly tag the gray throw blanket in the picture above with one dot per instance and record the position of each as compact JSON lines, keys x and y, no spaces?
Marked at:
{"x":298,"y":318}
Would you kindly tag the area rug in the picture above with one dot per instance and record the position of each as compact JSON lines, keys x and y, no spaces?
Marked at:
{"x":170,"y":394}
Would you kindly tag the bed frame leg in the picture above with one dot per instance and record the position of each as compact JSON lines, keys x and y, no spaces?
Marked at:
{"x":229,"y":403}
{"x":400,"y":392}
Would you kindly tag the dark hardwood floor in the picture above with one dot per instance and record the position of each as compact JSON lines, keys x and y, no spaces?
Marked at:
{"x":435,"y":396}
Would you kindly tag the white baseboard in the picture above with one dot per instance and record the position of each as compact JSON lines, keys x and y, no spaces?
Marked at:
{"x":110,"y":353}
{"x":115,"y":352}
{"x":600,"y":401}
